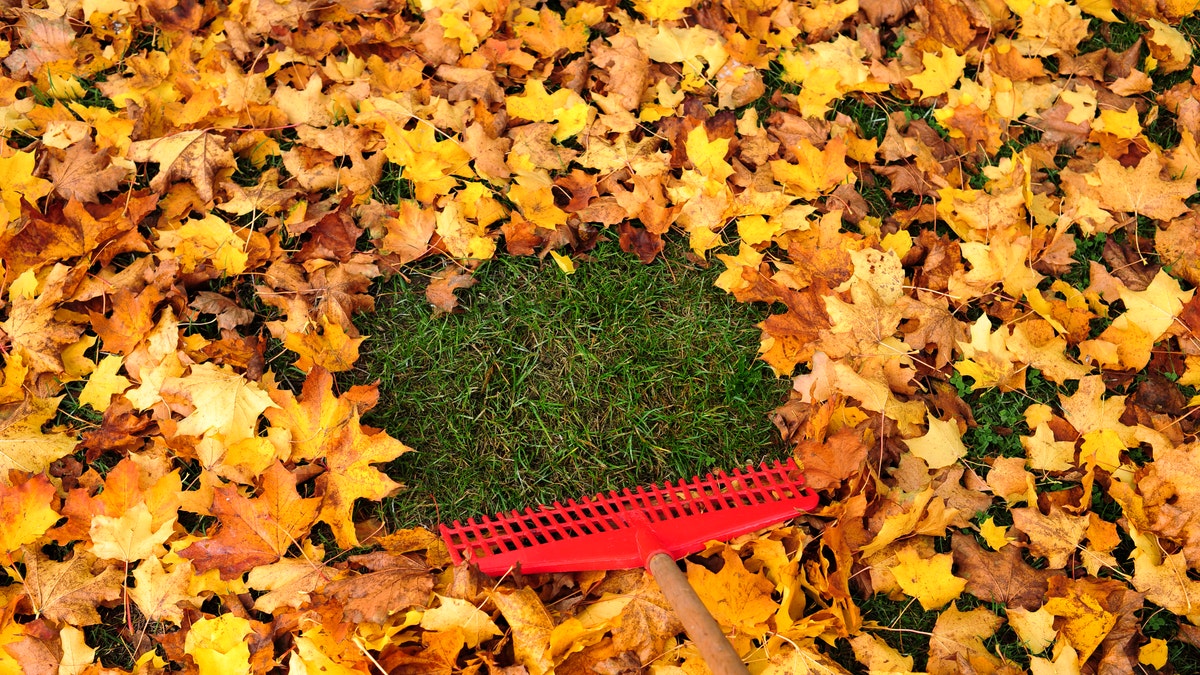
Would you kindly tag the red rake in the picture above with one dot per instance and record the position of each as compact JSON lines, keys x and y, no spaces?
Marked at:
{"x":649,"y":527}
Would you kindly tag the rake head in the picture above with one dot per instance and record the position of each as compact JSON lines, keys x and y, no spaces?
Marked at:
{"x":615,"y":530}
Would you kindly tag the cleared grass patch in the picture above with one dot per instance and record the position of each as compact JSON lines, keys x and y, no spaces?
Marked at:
{"x":550,"y":387}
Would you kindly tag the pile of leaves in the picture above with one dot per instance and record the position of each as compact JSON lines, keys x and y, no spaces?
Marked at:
{"x":954,"y":206}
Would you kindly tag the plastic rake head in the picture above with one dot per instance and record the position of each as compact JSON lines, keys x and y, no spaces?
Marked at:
{"x":610,"y":531}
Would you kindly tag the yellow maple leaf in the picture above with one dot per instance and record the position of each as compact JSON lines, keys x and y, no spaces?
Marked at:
{"x":431,"y":164}
{"x":20,"y":183}
{"x":987,"y":360}
{"x":130,"y":536}
{"x":662,"y":10}
{"x":531,"y":626}
{"x":77,"y":655}
{"x":941,"y":72}
{"x":219,"y":646}
{"x":331,"y":348}
{"x":1141,"y":190}
{"x":24,"y":446}
{"x":1064,"y":661}
{"x":475,"y":624}
{"x":1085,"y":620}
{"x":207,"y":240}
{"x":1034,"y":627}
{"x":1153,"y":653}
{"x":103,"y":383}
{"x":708,"y":156}
{"x":533,"y":195}
{"x":929,"y":580}
{"x":1047,"y":454}
{"x":461,"y":237}
{"x":687,"y":45}
{"x":1124,"y":125}
{"x":995,"y":535}
{"x":738,"y":599}
{"x":1148,"y":314}
{"x":350,"y":476}
{"x":564,"y":107}
{"x":158,"y":593}
{"x":564,"y":262}
{"x":731,"y":279}
{"x":817,"y":171}
{"x":226,"y":403}
{"x":827,"y":71}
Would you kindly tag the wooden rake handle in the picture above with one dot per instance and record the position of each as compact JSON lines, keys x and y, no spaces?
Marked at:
{"x":700,"y":625}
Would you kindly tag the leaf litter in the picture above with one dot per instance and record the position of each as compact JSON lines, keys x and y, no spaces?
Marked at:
{"x":941,"y":199}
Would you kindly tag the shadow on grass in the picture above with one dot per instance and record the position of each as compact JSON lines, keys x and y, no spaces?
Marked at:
{"x":550,"y":387}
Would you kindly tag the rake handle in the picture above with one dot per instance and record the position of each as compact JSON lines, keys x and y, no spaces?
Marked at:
{"x":700,"y":625}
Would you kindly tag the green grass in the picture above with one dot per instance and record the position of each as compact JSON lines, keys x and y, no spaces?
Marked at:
{"x":552,"y":386}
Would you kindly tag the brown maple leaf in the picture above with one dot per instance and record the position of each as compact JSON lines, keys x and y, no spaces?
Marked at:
{"x":440,"y":290}
{"x":392,"y":583}
{"x":828,"y":464}
{"x":69,"y":592}
{"x":1140,"y":190}
{"x":81,"y":173}
{"x":193,"y":156}
{"x":1002,"y":577}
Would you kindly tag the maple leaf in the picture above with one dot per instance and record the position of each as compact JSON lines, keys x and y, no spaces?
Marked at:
{"x":31,"y":325}
{"x":104,"y":383}
{"x":23,"y":446}
{"x":1054,"y":536}
{"x":331,"y":348}
{"x":564,"y":107}
{"x":77,"y":655}
{"x":158,"y":593}
{"x":194,"y":156}
{"x":1140,"y":190}
{"x":226,"y":403}
{"x":69,"y":592}
{"x":26,"y":512}
{"x":290,"y":581}
{"x":392,"y":583}
{"x":941,"y":72}
{"x":737,"y":598}
{"x":81,"y":173}
{"x":819,"y":169}
{"x":1172,"y":499}
{"x":317,"y":416}
{"x":454,"y":613}
{"x":958,"y":637}
{"x":642,"y":619}
{"x":254,"y":531}
{"x":941,"y":446}
{"x":131,"y":321}
{"x":20,"y":185}
{"x":929,"y":580}
{"x":209,"y":240}
{"x":827,"y":465}
{"x":1002,"y":577}
{"x":131,"y":536}
{"x":531,"y":626}
{"x":219,"y":645}
{"x":349,"y":475}
{"x":440,"y":290}
{"x":1081,"y":608}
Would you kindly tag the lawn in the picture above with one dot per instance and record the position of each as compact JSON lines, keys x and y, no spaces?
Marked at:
{"x":549,"y":386}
